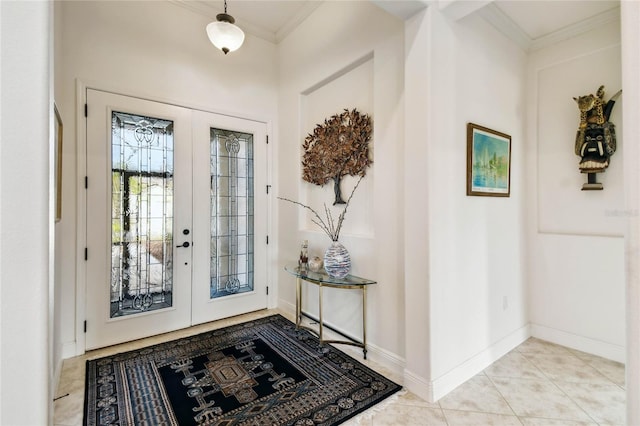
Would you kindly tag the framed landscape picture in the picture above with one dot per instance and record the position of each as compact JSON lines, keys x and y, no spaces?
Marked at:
{"x":488,"y":162}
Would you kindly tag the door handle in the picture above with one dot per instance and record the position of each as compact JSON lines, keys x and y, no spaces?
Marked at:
{"x":185,"y":244}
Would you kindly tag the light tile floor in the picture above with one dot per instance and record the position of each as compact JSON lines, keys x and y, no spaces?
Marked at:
{"x":537,"y":383}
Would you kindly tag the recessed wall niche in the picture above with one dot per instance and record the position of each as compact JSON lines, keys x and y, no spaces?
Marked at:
{"x":562,"y":207}
{"x":351,"y":87}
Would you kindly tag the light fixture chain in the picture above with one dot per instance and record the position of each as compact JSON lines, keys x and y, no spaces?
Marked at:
{"x":225,"y":6}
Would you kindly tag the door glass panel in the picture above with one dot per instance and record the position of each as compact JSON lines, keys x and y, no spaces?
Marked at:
{"x":231,"y":213}
{"x":141,"y":214}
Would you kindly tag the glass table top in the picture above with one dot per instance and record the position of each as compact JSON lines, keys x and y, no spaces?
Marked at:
{"x":322,"y":277}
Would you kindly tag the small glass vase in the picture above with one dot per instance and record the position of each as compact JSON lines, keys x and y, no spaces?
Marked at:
{"x":337,"y":261}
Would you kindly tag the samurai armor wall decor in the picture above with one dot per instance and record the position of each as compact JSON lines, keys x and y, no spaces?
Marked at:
{"x":596,"y":136}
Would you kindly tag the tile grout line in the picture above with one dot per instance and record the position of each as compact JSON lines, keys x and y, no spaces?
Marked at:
{"x":516,"y":349}
{"x":524,"y":354}
{"x":483,"y":412}
{"x":563,"y":392}
{"x":606,"y":376}
{"x":444,"y":416}
{"x":505,"y":399}
{"x":437,"y":405}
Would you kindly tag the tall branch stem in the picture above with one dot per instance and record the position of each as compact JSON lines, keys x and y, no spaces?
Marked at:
{"x":330,"y":227}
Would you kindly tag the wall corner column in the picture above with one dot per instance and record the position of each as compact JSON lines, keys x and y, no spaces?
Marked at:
{"x":630,"y":16}
{"x":416,"y":209}
{"x":25,"y":214}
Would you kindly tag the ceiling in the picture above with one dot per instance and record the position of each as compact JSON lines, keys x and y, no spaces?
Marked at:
{"x":271,"y":20}
{"x":542,"y":18}
{"x":530,"y":23}
{"x":536,"y":24}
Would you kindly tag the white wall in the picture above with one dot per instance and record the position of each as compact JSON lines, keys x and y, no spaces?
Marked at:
{"x":25,"y":109}
{"x":355,"y":61}
{"x":159,"y":51}
{"x":417,"y":128}
{"x":25,"y":219}
{"x":57,"y":342}
{"x":476,"y":271}
{"x":576,"y":267}
{"x":451,"y":269}
{"x":630,"y":34}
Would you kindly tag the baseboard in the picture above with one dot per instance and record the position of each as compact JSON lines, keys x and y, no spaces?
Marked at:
{"x":418,"y":385}
{"x":438,"y":388}
{"x":287,"y":308}
{"x":581,"y":343}
{"x":69,"y":350}
{"x":387,"y":359}
{"x":474,"y":365}
{"x":57,"y":372}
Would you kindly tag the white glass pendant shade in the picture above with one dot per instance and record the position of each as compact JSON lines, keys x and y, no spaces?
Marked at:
{"x":225,"y":36}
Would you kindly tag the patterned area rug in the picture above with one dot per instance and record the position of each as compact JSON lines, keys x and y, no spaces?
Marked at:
{"x":261,"y":372}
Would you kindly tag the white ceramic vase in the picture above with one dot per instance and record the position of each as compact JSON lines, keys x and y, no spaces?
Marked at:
{"x":315,"y":264}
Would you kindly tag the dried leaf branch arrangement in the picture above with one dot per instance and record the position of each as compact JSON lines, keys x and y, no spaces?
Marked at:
{"x":327,"y":225}
{"x":337,"y":148}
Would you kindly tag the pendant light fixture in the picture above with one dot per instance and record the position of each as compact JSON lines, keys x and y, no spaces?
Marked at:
{"x":224,"y":34}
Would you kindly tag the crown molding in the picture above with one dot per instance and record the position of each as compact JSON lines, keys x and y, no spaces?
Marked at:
{"x":456,"y":9}
{"x":576,"y":29}
{"x":296,"y":20}
{"x":402,"y":9}
{"x":205,"y":8}
{"x":507,"y":26}
{"x":490,"y":12}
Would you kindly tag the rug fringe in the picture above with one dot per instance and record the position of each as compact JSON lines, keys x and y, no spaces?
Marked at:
{"x":381,"y":406}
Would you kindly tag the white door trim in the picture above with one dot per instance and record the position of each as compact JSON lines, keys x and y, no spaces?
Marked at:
{"x":81,"y":86}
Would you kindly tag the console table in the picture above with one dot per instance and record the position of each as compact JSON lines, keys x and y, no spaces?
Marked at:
{"x":322,"y":279}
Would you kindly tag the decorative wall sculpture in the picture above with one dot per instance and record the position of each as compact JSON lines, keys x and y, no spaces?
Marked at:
{"x":596,"y":136}
{"x":337,"y":148}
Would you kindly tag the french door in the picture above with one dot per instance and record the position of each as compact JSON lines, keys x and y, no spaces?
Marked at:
{"x":173,"y":236}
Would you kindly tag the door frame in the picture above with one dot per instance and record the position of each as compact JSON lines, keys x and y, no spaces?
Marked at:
{"x":79,"y":346}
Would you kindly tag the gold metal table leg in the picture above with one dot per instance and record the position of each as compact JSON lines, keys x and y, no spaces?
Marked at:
{"x":364,"y":321}
{"x":320,"y":308}
{"x":298,"y":302}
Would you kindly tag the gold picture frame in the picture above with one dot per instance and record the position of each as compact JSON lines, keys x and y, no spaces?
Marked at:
{"x":58,"y":162}
{"x":488,"y":162}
